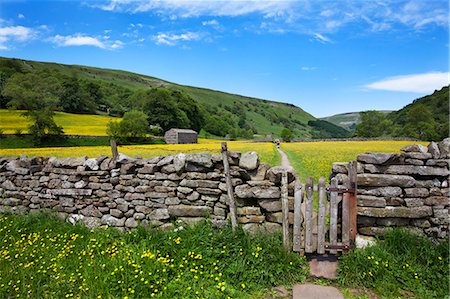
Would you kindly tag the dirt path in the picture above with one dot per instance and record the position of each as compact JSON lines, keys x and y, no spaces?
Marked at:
{"x":284,"y":159}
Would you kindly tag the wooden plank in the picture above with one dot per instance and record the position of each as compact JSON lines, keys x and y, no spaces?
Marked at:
{"x":309,"y":216}
{"x":333,"y":215}
{"x":285,"y":210}
{"x":321,"y":218}
{"x":114,"y":151}
{"x":231,"y":202}
{"x":352,"y":172}
{"x":298,"y":218}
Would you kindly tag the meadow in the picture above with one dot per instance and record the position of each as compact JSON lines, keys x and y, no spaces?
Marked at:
{"x":12,"y":121}
{"x":44,"y":257}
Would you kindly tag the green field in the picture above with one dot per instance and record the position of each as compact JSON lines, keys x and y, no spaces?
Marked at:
{"x":73,"y":124}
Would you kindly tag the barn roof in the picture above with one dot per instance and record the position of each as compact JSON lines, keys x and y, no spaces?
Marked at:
{"x":183,"y":131}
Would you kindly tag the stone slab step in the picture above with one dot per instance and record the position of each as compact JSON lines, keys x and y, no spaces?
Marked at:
{"x":312,"y":291}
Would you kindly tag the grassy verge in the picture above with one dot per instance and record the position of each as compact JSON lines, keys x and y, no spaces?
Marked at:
{"x":43,"y":257}
{"x":403,"y":265}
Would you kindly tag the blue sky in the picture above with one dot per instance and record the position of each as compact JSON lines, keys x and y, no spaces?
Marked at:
{"x":326,"y":57}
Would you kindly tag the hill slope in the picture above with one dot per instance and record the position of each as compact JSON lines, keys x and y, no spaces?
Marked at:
{"x":264,"y":116}
{"x":348,"y":120}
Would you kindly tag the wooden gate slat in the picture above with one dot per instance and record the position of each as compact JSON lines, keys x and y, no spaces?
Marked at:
{"x":298,"y":217}
{"x":321,"y":218}
{"x":333,"y":214}
{"x":285,"y":210}
{"x":352,"y":172}
{"x":309,"y":216}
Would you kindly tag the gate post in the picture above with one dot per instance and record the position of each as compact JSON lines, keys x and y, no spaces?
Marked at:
{"x":352,"y":185}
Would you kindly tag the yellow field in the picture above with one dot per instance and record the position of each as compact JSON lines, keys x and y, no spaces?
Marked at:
{"x":315,"y":158}
{"x":266,"y":150}
{"x":73,"y":124}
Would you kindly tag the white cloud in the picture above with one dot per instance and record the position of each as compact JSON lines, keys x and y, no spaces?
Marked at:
{"x":308,"y":68}
{"x":210,"y":23}
{"x":418,"y":83}
{"x":20,"y":16}
{"x":171,"y":39}
{"x":321,"y":38}
{"x":11,"y":34}
{"x":85,"y":40}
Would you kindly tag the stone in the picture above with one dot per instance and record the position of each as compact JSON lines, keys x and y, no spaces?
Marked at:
{"x":339,"y":167}
{"x":261,"y":183}
{"x":433,"y":149}
{"x":249,"y":161}
{"x":260,"y":173}
{"x":143,"y":209}
{"x":444,"y":148}
{"x":127,"y":168}
{"x":209,"y":191}
{"x":139,"y":216}
{"x":116,"y":213}
{"x":382,"y":191}
{"x":131,"y":223}
{"x":193,"y":196}
{"x":243,"y":191}
{"x":313,"y":291}
{"x":251,"y":219}
{"x":191,"y":221}
{"x":415,"y":162}
{"x":365,"y":221}
{"x":266,"y":192}
{"x":105,"y":164}
{"x":400,"y":212}
{"x":248,"y":211}
{"x":439,"y":163}
{"x":191,"y":211}
{"x":436,"y":201}
{"x":274,"y":174}
{"x":377,"y":158}
{"x":417,"y":170}
{"x":278,"y":217}
{"x":418,"y":156}
{"x":165,"y":161}
{"x":148,"y":169}
{"x":416,"y":148}
{"x":8,"y":185}
{"x":252,"y":228}
{"x":80,"y":184}
{"x":92,"y":164}
{"x":91,"y":211}
{"x":70,"y":192}
{"x":371,"y":230}
{"x":381,"y":180}
{"x":416,"y":192}
{"x":69,"y":162}
{"x":413,"y":202}
{"x":272,"y":228}
{"x":274,"y":205}
{"x":168,"y":169}
{"x":179,"y":161}
{"x":371,"y":201}
{"x":91,"y":222}
{"x":203,"y":159}
{"x":364,"y":241}
{"x":170,"y":201}
{"x":440,"y":213}
{"x":74,"y":218}
{"x":425,"y":184}
{"x":184,"y":190}
{"x":123,"y":159}
{"x":423,"y":223}
{"x":220,"y":211}
{"x":393,"y":221}
{"x":199,"y":183}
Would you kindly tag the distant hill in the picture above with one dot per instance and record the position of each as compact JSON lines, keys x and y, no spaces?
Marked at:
{"x":348,"y":120}
{"x":265,"y":117}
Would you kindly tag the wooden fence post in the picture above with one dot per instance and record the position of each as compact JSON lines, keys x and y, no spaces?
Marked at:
{"x":114,"y":151}
{"x":298,"y":217}
{"x":352,"y":173}
{"x":231,"y":202}
{"x":285,"y":209}
{"x":309,"y":215}
{"x":321,"y":218}
{"x":333,"y":213}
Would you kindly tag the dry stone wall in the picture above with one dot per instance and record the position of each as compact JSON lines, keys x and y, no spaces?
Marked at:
{"x":153,"y":192}
{"x":410,"y":189}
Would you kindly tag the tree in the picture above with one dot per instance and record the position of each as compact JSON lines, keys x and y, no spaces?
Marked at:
{"x":420,"y":123}
{"x":134,"y":124}
{"x":373,"y":124}
{"x":36,"y":92}
{"x":74,"y":98}
{"x":217,"y":125}
{"x":286,"y":135}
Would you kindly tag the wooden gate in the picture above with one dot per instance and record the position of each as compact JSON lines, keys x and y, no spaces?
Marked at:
{"x":330,"y":228}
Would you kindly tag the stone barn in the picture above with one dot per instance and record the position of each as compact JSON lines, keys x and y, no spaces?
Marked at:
{"x":180,"y":136}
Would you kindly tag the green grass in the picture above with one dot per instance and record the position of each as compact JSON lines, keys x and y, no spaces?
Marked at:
{"x":73,"y":124}
{"x":403,"y":265}
{"x":42,"y":257}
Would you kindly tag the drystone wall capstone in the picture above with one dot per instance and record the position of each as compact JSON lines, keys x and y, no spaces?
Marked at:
{"x":152,"y":192}
{"x":410,"y":189}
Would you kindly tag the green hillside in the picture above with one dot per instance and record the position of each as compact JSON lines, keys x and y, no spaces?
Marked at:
{"x":348,"y":120}
{"x":263,"y":117}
